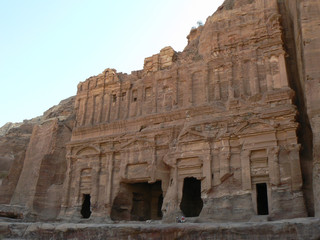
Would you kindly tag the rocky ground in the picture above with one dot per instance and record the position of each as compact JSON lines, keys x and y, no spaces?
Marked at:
{"x":303,"y":228}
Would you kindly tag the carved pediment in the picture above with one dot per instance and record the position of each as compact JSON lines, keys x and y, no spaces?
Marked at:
{"x":253,"y":127}
{"x":88,"y":150}
{"x":137,"y":143}
{"x":137,"y":171}
{"x":192,"y":135}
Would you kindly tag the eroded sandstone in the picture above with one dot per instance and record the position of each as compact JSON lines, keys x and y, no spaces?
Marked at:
{"x":299,"y":229}
{"x":37,"y":170}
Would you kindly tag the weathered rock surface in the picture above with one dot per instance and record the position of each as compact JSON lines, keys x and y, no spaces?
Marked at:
{"x":294,"y":229}
{"x":13,"y":145}
{"x":309,"y":12}
{"x":301,"y":21}
{"x":34,"y":153}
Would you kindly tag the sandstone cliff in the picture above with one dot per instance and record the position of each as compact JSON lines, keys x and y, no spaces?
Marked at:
{"x":301,"y":27}
{"x":13,"y":145}
{"x":33,"y":159}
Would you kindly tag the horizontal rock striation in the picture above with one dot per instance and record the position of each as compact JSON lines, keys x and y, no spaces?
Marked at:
{"x":299,"y":229}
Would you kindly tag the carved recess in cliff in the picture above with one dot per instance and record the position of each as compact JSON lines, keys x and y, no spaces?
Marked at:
{"x":220,"y":114}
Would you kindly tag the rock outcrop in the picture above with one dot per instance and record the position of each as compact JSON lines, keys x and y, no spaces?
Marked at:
{"x":227,"y":130}
{"x":13,"y":145}
{"x":301,"y":26}
{"x":34,"y":154}
{"x":299,"y":229}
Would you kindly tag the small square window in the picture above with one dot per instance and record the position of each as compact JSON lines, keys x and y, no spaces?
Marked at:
{"x":114,"y":98}
{"x":123,"y":96}
{"x":148,"y":93}
{"x":134,"y":96}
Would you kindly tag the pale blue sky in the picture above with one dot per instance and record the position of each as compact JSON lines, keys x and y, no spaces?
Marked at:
{"x":48,"y":46}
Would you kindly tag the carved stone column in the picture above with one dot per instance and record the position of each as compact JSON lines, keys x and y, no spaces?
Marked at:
{"x":66,"y":185}
{"x":224,"y":157}
{"x":76,"y":186}
{"x":230,"y":80}
{"x":188,"y":90}
{"x":240,"y":75}
{"x":91,"y":110}
{"x":108,"y":204}
{"x":179,"y":188}
{"x":123,"y":165}
{"x":95,"y":176}
{"x":216,"y":167}
{"x":274,"y":62}
{"x":206,"y":73}
{"x":217,"y":95}
{"x":129,"y":97}
{"x":245,"y":170}
{"x":206,"y":168}
{"x":140,"y":94}
{"x":274,"y":167}
{"x":296,"y":177}
{"x":77,"y":109}
{"x":268,"y":74}
{"x":283,"y":71}
{"x":117,"y":108}
{"x":254,"y":80}
{"x":109,"y":107}
{"x":99,"y":111}
{"x":83,"y":112}
{"x":153,"y":164}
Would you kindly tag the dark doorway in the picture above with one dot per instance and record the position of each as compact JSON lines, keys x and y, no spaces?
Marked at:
{"x":146,"y":201}
{"x":138,"y":202}
{"x":140,"y":206}
{"x":191,"y":203}
{"x":262,"y":199}
{"x":85,"y":210}
{"x":160,"y":202}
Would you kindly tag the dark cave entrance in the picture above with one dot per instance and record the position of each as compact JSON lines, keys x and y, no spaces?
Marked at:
{"x":262,"y":199}
{"x":191,"y":203}
{"x":85,"y":209}
{"x":138,"y":202}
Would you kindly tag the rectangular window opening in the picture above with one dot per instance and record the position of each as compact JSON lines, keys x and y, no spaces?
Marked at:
{"x":114,"y":98}
{"x":123,"y":96}
{"x":262,"y":199}
{"x":134,"y":96}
